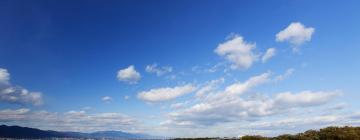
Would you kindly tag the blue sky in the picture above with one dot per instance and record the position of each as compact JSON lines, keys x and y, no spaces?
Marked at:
{"x":180,"y":68}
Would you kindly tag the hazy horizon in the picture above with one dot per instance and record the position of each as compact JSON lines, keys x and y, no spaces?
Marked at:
{"x":180,"y":68}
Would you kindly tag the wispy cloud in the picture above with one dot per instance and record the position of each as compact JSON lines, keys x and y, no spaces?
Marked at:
{"x":159,"y":71}
{"x":106,"y":99}
{"x":271,"y":52}
{"x":68,"y":121}
{"x":165,"y":93}
{"x":288,"y":73}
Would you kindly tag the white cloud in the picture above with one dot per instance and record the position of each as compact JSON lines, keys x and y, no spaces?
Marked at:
{"x":238,"y":52}
{"x":288,"y":72}
{"x":178,"y":105}
{"x":209,"y":87}
{"x":296,"y":33}
{"x":166,"y":93}
{"x":271,"y":52}
{"x":239,"y":104}
{"x":305,"y":122}
{"x":224,"y":106}
{"x":300,"y":122}
{"x":231,"y":104}
{"x":154,"y":68}
{"x":226,"y":109}
{"x":231,"y":108}
{"x":4,"y":76}
{"x":209,"y":68}
{"x":240,"y":88}
{"x":270,"y":126}
{"x":126,"y":97}
{"x":68,"y":121}
{"x":305,"y":98}
{"x":11,"y":115}
{"x":339,"y":106}
{"x":106,"y":99}
{"x":129,"y":75}
{"x":171,"y":77}
{"x":87,"y":108}
{"x":16,"y":94}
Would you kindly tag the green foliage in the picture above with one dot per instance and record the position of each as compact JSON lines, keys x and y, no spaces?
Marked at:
{"x":284,"y":137}
{"x":254,"y":138}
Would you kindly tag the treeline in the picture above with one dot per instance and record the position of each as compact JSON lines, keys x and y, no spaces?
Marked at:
{"x":329,"y":133}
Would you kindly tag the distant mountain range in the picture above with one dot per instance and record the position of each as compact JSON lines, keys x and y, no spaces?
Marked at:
{"x":26,"y":132}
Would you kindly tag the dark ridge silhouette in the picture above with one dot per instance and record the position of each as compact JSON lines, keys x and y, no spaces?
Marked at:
{"x":33,"y":133}
{"x":25,"y":132}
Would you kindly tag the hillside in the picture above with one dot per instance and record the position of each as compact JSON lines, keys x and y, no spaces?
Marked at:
{"x":25,"y":132}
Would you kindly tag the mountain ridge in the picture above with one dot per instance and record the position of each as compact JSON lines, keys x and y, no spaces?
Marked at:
{"x":28,"y":132}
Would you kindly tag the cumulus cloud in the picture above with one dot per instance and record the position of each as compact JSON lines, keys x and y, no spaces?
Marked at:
{"x":106,"y":99}
{"x":166,"y":93}
{"x":268,"y":54}
{"x":296,"y":34}
{"x":237,"y":51}
{"x":129,"y":75}
{"x":68,"y":121}
{"x":16,"y":94}
{"x":154,"y":68}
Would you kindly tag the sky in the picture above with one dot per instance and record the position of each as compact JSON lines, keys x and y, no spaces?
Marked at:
{"x":180,"y":68}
